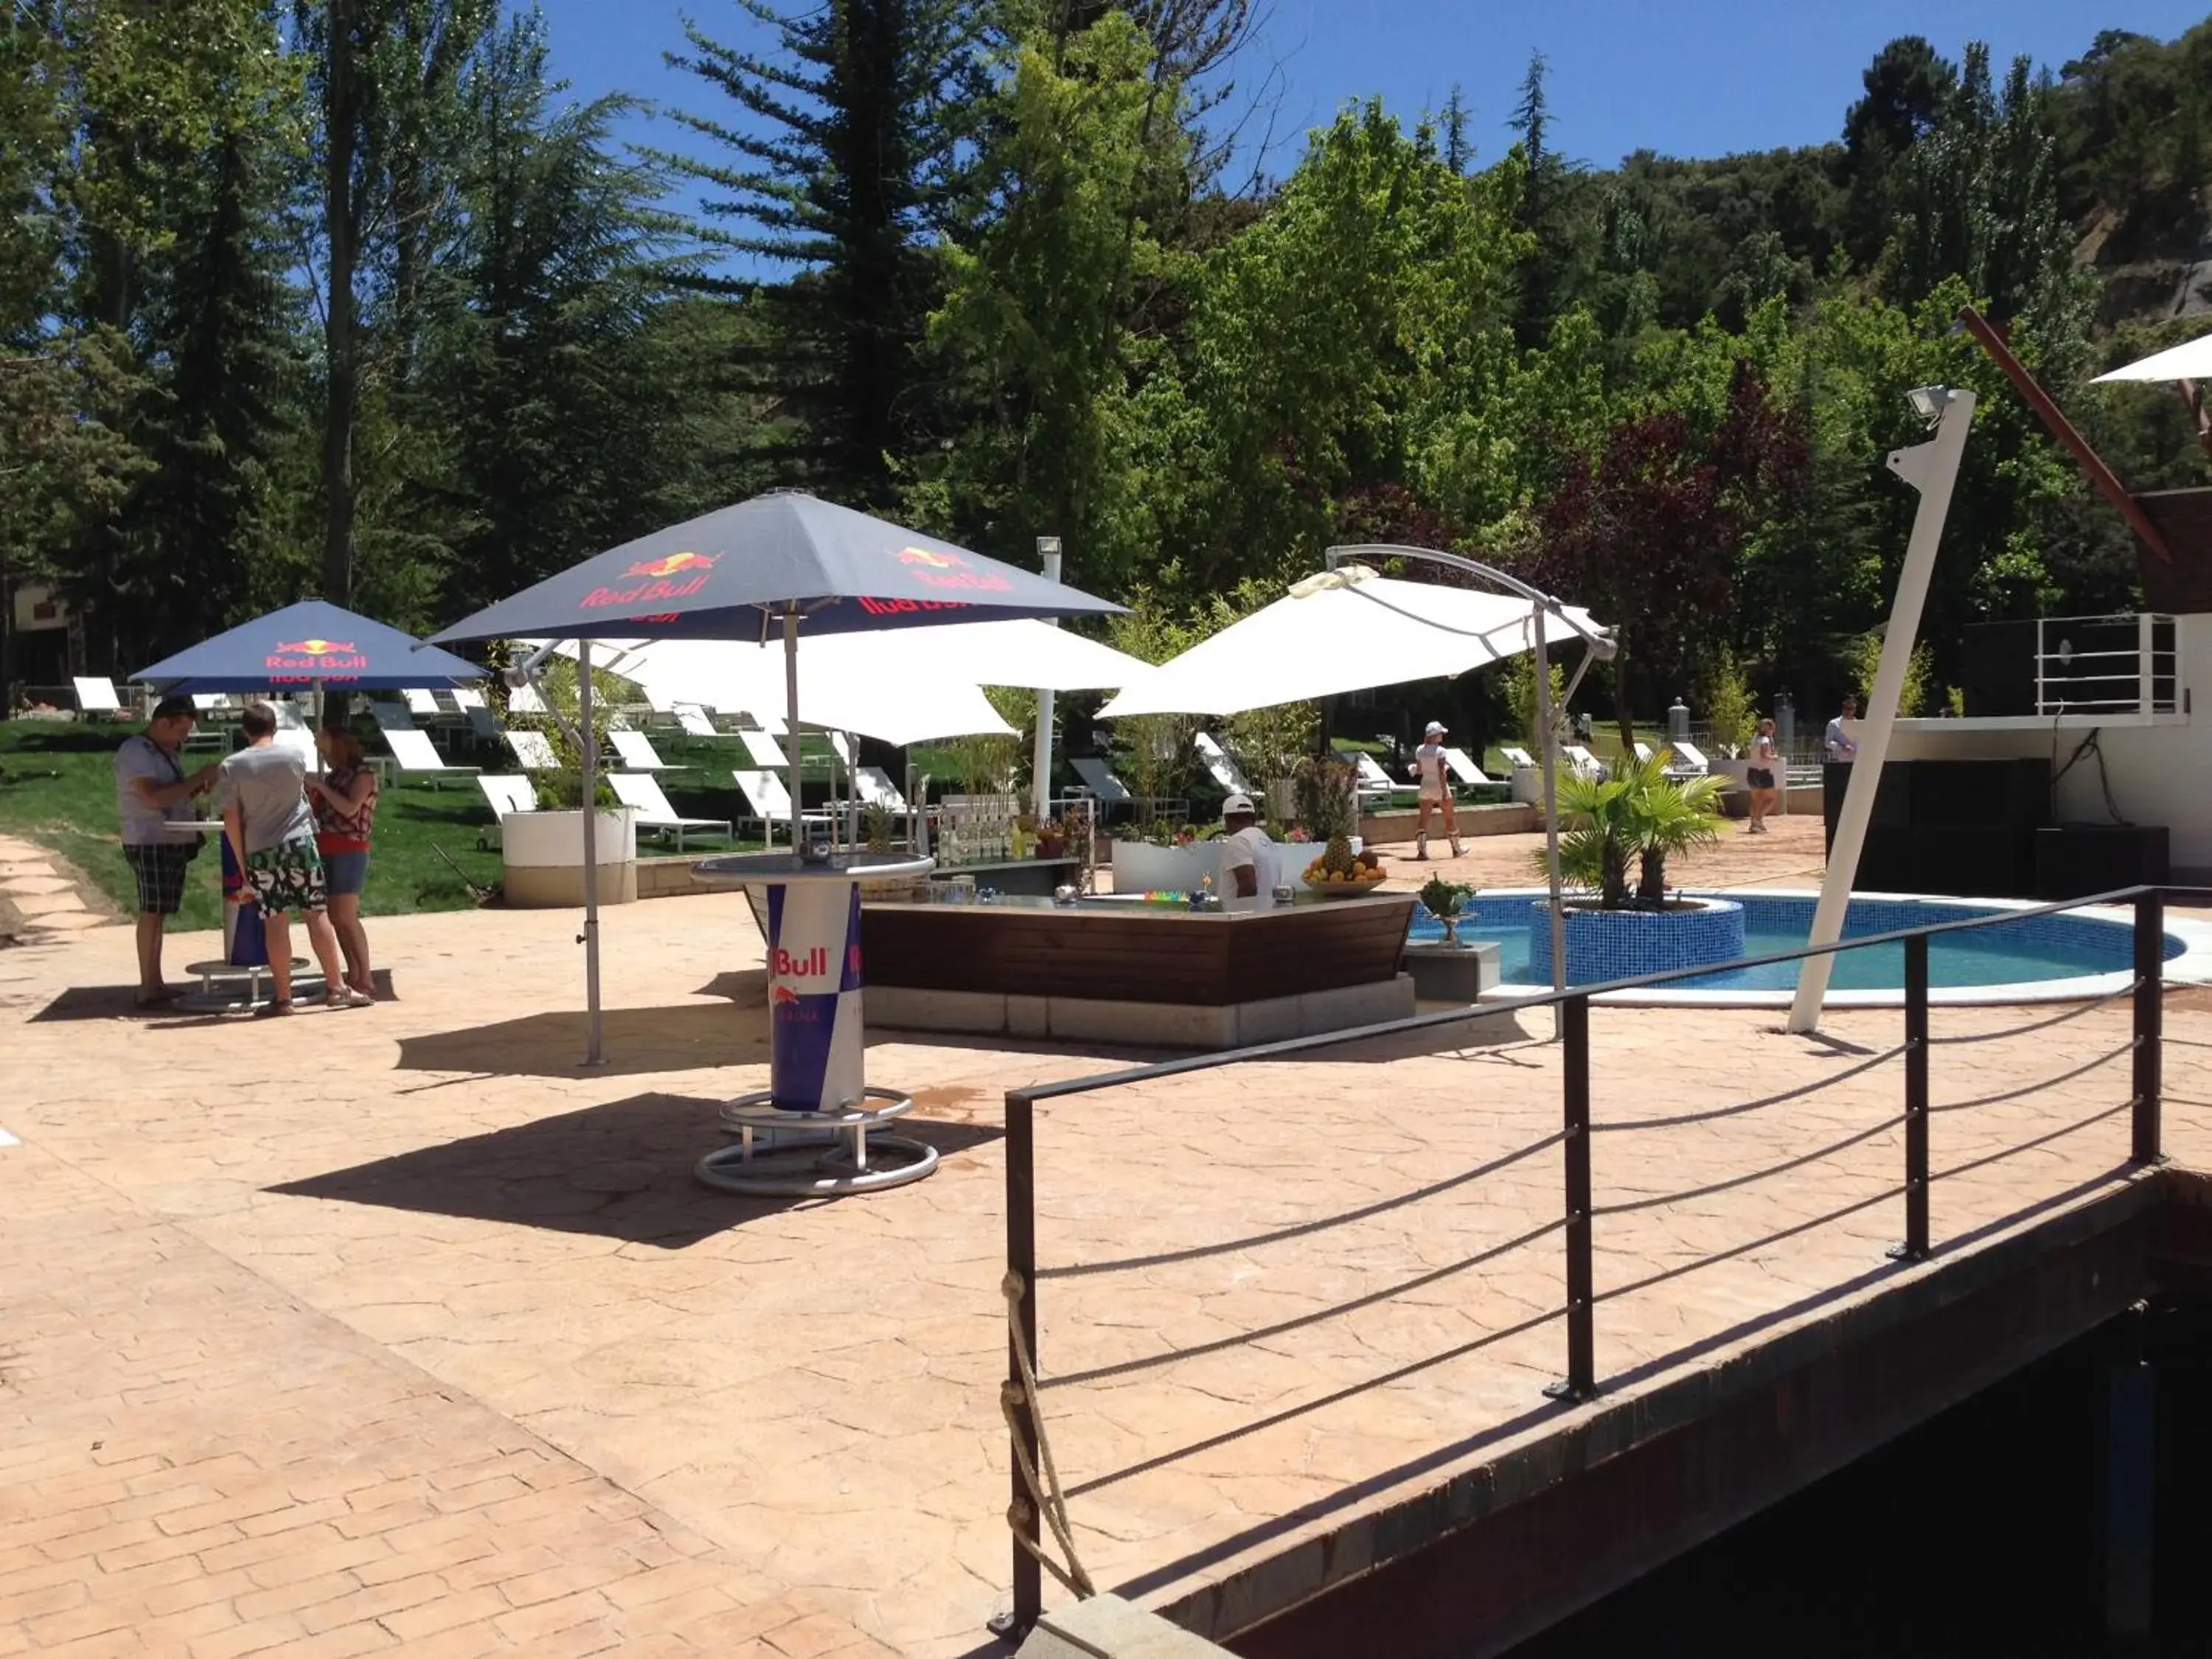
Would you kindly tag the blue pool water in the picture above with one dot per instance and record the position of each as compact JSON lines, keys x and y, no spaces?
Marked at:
{"x":2041,"y":948}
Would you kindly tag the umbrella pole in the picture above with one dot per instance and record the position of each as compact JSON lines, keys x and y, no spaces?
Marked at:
{"x":791,"y":714}
{"x":1543,"y":664}
{"x":317,"y":732}
{"x":595,"y":1052}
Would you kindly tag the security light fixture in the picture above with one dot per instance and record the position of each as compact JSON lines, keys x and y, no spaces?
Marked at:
{"x":1929,"y":402}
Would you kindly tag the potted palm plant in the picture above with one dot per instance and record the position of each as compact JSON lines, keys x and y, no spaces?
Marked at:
{"x":1619,"y":834}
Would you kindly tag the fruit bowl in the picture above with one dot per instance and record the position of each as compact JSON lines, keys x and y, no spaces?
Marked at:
{"x":1365,"y":879}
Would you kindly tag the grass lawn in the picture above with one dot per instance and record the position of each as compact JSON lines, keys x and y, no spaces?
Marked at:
{"x":57,"y":787}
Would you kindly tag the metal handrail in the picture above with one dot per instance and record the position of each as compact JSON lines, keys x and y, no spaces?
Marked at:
{"x":2146,"y":988}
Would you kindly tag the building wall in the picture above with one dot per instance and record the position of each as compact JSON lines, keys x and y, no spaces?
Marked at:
{"x":2159,"y":774}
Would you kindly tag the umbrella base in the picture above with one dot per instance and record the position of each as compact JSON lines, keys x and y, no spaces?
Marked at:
{"x":796,"y":1164}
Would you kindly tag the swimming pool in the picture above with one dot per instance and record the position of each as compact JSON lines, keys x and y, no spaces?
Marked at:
{"x":2080,"y":953}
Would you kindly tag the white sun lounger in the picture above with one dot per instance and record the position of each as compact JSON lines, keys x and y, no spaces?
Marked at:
{"x":875,"y":789}
{"x":770,"y":801}
{"x":95,"y":695}
{"x":391,"y":717}
{"x":420,"y":703}
{"x":1221,"y":767}
{"x":1582,"y":760}
{"x":764,"y":751}
{"x":505,"y":793}
{"x":642,"y":795}
{"x":1465,"y":770}
{"x":483,"y":725}
{"x":1101,"y":782}
{"x":638,"y":753}
{"x":1374,"y":782}
{"x":1689,"y":758}
{"x":524,"y":700}
{"x":417,"y":757}
{"x":1518,"y":758}
{"x":696,"y":722}
{"x":533,"y":750}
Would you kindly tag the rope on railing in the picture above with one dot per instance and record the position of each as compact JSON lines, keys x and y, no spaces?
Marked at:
{"x":1742,"y":1107}
{"x":1046,"y":1496}
{"x":2040,"y":1084}
{"x":1099,"y":1373}
{"x":1299,"y":1230}
{"x":1734,"y":1182}
{"x":2127,"y":990}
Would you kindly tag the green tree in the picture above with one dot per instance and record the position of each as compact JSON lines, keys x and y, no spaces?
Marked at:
{"x":849,"y":155}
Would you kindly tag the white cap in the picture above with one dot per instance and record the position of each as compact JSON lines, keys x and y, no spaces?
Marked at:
{"x":1236,"y":804}
{"x":1438,"y":727}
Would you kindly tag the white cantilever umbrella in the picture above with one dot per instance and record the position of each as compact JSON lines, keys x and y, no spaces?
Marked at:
{"x":1344,"y":630}
{"x":900,"y":687}
{"x":2190,"y":360}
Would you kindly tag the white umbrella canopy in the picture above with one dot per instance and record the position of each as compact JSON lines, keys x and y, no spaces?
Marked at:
{"x":1344,"y":629}
{"x":852,"y":693}
{"x":2191,"y":360}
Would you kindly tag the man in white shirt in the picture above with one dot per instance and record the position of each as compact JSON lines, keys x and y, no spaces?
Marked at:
{"x":1841,"y":745}
{"x":1429,"y":769}
{"x":1248,"y":857}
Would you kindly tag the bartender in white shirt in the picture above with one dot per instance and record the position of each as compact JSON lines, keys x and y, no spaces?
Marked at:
{"x":1248,"y":857}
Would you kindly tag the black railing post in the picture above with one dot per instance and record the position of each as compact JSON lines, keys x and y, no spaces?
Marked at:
{"x":1021,"y":1268}
{"x":1581,"y":1331}
{"x":2150,"y":1029}
{"x":1914,"y":1248}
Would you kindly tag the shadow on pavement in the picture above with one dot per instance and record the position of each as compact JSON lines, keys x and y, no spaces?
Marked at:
{"x":618,"y":1170}
{"x":638,"y":1040}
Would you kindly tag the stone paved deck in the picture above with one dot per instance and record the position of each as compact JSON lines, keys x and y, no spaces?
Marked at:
{"x":394,"y":1330}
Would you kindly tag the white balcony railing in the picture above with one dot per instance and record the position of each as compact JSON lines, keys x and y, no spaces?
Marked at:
{"x":2116,"y":665}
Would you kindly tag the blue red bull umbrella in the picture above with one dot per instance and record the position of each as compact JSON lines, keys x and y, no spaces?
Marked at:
{"x":781,"y":564}
{"x":308,"y":644}
{"x":736,"y":574}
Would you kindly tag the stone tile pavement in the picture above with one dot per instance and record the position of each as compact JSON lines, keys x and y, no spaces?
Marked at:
{"x":397,"y":1329}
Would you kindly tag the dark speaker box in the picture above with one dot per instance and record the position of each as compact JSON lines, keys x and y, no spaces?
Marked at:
{"x":2074,"y":859}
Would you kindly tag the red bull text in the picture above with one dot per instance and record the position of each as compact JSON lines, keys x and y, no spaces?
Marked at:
{"x":662,"y":582}
{"x":938,"y":567}
{"x":313,"y":658}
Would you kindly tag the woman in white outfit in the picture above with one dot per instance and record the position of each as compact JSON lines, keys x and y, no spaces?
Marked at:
{"x":1429,"y":770}
{"x":1765,"y":761}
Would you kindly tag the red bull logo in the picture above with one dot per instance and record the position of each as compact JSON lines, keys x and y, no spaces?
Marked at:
{"x":659,"y":581}
{"x":940,"y":568}
{"x":314,"y":658}
{"x":673,"y":564}
{"x":782,"y":996}
{"x":895,"y":607}
{"x":931,"y":557}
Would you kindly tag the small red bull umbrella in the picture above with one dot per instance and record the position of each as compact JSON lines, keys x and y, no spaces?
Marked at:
{"x":309,"y":644}
{"x":783,"y":563}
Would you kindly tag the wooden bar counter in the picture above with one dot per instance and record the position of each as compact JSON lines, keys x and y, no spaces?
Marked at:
{"x":1120,"y":969}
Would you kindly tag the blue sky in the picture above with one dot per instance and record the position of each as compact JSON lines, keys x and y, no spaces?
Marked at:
{"x":1684,"y":77}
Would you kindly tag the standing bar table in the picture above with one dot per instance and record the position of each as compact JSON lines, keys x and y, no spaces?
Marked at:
{"x":817,"y":1094}
{"x":245,"y":943}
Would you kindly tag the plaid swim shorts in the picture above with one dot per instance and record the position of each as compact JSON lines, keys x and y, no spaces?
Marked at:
{"x":161,"y":872}
{"x":287,"y":877}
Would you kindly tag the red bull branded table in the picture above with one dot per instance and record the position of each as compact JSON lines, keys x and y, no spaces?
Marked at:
{"x":817,"y":1095}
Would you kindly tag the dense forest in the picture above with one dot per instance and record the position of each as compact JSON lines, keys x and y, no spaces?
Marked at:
{"x":351,"y":297}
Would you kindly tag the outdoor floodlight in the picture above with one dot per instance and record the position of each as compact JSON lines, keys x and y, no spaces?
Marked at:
{"x":1929,"y":402}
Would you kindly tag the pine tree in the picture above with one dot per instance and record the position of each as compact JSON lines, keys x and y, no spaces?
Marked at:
{"x":866,"y":105}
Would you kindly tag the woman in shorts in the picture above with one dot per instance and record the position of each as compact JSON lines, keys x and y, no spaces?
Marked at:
{"x":1760,"y":776}
{"x":344,"y":799}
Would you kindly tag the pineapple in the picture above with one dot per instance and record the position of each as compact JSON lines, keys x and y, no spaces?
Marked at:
{"x":1337,"y":860}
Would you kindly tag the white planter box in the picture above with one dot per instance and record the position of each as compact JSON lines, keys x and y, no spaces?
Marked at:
{"x":543,"y":858}
{"x":1529,"y":786}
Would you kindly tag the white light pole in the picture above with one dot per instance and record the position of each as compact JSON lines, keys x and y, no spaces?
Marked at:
{"x":1931,"y":468}
{"x":1047,"y":549}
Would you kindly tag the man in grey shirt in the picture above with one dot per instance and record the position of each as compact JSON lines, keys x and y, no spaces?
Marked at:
{"x":272,"y":835}
{"x":150,"y":786}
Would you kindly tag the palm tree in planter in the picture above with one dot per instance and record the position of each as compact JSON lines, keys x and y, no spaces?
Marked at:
{"x":1640,"y":815}
{"x":1670,"y":815}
